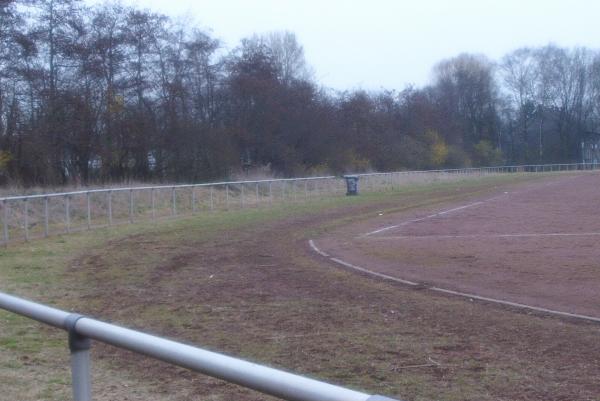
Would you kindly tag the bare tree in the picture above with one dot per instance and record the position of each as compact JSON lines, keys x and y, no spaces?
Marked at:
{"x":520,"y":76}
{"x":288,"y":56}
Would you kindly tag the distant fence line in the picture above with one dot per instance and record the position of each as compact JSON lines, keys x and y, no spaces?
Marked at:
{"x":37,"y":216}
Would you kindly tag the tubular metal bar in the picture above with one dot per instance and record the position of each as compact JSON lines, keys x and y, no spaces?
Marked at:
{"x":526,"y":168}
{"x":209,"y":184}
{"x":81,"y":375}
{"x":270,"y":381}
{"x":80,"y":360}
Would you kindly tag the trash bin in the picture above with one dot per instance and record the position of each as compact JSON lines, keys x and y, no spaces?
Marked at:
{"x":351,"y":184}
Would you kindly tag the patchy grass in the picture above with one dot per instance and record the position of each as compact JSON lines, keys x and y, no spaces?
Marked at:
{"x":243,"y":283}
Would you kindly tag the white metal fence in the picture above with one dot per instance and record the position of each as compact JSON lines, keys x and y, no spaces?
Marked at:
{"x":37,"y":216}
{"x":82,"y":330}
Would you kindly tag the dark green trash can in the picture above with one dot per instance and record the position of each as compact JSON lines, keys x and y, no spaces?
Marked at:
{"x":351,"y":184}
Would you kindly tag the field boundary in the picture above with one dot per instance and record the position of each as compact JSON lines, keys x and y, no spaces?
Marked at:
{"x":38,"y":216}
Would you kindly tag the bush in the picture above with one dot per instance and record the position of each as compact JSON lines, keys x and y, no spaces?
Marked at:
{"x":484,"y":154}
{"x":457,"y":158}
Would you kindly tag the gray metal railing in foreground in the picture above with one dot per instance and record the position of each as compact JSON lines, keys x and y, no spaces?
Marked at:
{"x":267,"y":380}
{"x":34,"y":216}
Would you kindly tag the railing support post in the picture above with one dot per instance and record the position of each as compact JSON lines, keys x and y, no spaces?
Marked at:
{"x":173,"y":202}
{"x":80,"y":361}
{"x":89,"y":211}
{"x":46,"y":216}
{"x":26,"y":219}
{"x":153,"y":204}
{"x":270,"y":192}
{"x":110,"y":215}
{"x":131,"y":206}
{"x":295,"y":189}
{"x":193,"y":200}
{"x":68,"y":212}
{"x":5,"y":221}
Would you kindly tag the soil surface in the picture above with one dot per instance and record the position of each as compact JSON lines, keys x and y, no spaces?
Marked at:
{"x":538,"y":245}
{"x":260,"y":293}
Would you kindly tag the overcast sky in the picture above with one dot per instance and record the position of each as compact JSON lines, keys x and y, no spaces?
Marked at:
{"x":372,"y":44}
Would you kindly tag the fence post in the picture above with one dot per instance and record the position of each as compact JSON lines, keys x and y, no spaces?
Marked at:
{"x":227,"y":196}
{"x":257,"y":195}
{"x":153,"y":203}
{"x":5,"y":221}
{"x":26,"y":219}
{"x":46,"y":216}
{"x":131,"y":206}
{"x":110,"y":217}
{"x":80,"y":361}
{"x":68,"y":212}
{"x":295,"y":189}
{"x":193,"y":200}
{"x":242,"y":196}
{"x":174,"y":202}
{"x":270,"y":192}
{"x":212,"y":205}
{"x":89,"y":211}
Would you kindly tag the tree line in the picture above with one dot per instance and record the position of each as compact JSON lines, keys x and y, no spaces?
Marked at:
{"x":113,"y":93}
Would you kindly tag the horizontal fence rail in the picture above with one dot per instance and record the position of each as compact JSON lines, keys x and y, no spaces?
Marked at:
{"x":267,"y":380}
{"x":37,"y":216}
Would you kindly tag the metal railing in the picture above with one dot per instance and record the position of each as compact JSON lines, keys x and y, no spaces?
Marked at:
{"x":81,"y":330}
{"x":35,"y":216}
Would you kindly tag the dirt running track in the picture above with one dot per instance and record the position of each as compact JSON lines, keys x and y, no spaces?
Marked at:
{"x":537,"y":245}
{"x":256,"y":290}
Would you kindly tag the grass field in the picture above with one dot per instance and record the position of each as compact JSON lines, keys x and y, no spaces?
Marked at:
{"x":245,"y":283}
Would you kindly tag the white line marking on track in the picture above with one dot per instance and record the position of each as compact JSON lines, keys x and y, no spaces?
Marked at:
{"x":385,"y":276}
{"x":427,"y":217}
{"x":317,"y":250}
{"x":460,"y":208}
{"x":381,"y":230}
{"x":515,"y":304}
{"x":313,"y":245}
{"x":481,"y":236}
